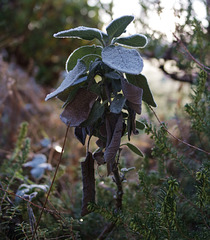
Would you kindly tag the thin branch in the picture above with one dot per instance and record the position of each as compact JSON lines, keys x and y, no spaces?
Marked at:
{"x":189,"y":145}
{"x":119,"y":195}
{"x":48,"y":194}
{"x":205,"y":68}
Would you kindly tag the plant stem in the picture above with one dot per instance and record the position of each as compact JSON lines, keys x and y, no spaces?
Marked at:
{"x":119,"y":194}
{"x":118,"y":181}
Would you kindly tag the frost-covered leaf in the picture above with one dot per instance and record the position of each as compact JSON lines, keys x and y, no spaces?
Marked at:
{"x":135,"y":149}
{"x":141,"y":82}
{"x":125,"y":170}
{"x":88,"y":180}
{"x":122,"y":59}
{"x":29,"y":189}
{"x":80,"y":53}
{"x":39,"y":165}
{"x":136,"y":40}
{"x":70,"y":79}
{"x":81,"y":32}
{"x":36,"y":161}
{"x":133,"y":94}
{"x":78,"y":109}
{"x":118,"y":26}
{"x":117,"y":104}
{"x":37,"y":172}
{"x":114,"y":128}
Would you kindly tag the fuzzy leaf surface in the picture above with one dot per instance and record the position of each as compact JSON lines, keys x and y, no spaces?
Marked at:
{"x":78,"y":109}
{"x":136,"y":40}
{"x":118,"y":26}
{"x":88,"y":180}
{"x":81,"y":32}
{"x":122,"y":59}
{"x":80,"y":53}
{"x":69,"y":80}
{"x":141,"y":81}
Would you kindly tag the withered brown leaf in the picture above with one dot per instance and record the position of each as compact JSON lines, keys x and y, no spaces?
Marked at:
{"x":77,"y":111}
{"x":88,"y":180}
{"x":114,"y":128}
{"x":133,"y":94}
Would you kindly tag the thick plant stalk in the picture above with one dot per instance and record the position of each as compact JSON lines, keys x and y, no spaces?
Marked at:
{"x":119,"y":193}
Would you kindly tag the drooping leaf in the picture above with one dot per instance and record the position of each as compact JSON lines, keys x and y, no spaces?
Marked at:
{"x":95,"y":113}
{"x":122,"y":59}
{"x":141,"y":81}
{"x":68,"y":95}
{"x":117,"y":104}
{"x":80,"y":134}
{"x":114,"y":128}
{"x":132,"y":115}
{"x":133,"y":94}
{"x":140,"y":125}
{"x":135,"y":149}
{"x":118,"y":26}
{"x":98,"y":155}
{"x":88,"y":180}
{"x":77,"y":111}
{"x":81,"y":32}
{"x":136,"y":40}
{"x":70,"y":79}
{"x":116,"y":86}
{"x":80,"y":53}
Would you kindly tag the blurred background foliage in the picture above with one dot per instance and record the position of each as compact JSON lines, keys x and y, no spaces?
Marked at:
{"x":30,"y":55}
{"x":27,"y":29}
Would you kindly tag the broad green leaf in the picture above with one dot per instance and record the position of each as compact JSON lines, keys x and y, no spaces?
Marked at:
{"x":80,"y":53}
{"x":122,"y":59}
{"x":70,"y":79}
{"x":81,"y":32}
{"x":141,"y":81}
{"x":137,"y":41}
{"x":135,"y":149}
{"x":140,"y":125}
{"x":90,"y":58}
{"x":118,"y":26}
{"x":117,"y":104}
